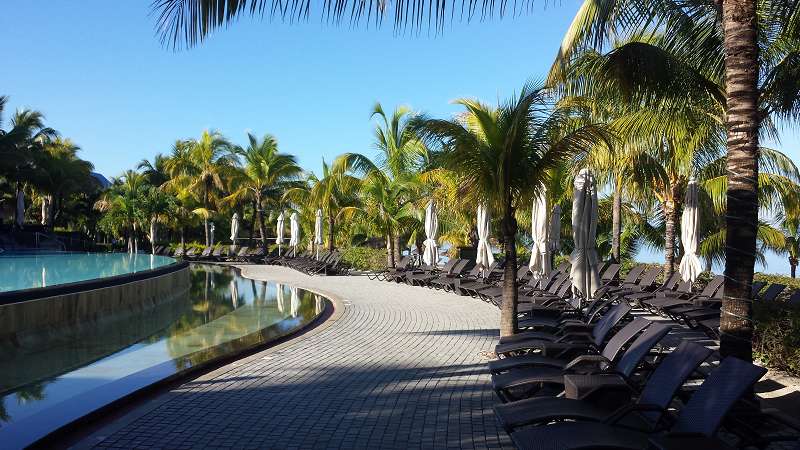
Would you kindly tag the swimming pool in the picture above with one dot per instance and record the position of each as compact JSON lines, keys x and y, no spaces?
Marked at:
{"x":34,"y":270}
{"x":46,"y":385}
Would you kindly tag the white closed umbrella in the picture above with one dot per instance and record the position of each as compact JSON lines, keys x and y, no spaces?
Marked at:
{"x":46,"y":210}
{"x":279,"y":296}
{"x":279,"y":232}
{"x":585,"y":271}
{"x":554,"y":237}
{"x":234,"y":227}
{"x":318,"y":231}
{"x":234,"y":293}
{"x":485,"y":257}
{"x":540,"y":250}
{"x":20,"y":208}
{"x":690,"y":266}
{"x":430,"y":253}
{"x":295,"y":302}
{"x":294,"y":232}
{"x":319,"y":304}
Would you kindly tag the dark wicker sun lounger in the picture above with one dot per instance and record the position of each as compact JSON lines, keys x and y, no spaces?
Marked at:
{"x":447,"y":280}
{"x":566,"y":343}
{"x":695,"y":425}
{"x":645,"y":412}
{"x":421,"y":276}
{"x":609,"y":351}
{"x":630,"y":280}
{"x":522,"y":382}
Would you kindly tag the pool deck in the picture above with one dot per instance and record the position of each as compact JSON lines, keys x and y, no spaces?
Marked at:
{"x":394,"y":367}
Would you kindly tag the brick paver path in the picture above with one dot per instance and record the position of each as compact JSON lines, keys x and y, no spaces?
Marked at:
{"x":400,"y":368}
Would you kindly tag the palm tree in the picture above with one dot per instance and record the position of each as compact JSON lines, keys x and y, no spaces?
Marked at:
{"x":395,"y":172}
{"x":265,"y":170}
{"x":504,"y":155}
{"x":60,"y":174}
{"x":333,"y":191}
{"x":201,"y":166}
{"x":155,"y":171}
{"x":122,"y":207}
{"x":156,"y":207}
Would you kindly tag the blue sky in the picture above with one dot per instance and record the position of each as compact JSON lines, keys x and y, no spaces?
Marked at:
{"x":100,"y":75}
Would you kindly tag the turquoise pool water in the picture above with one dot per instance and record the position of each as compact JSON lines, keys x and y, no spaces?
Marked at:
{"x":25,"y":271}
{"x":51,"y":380}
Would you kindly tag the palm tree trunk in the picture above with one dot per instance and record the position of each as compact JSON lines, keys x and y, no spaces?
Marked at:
{"x":262,"y":229}
{"x":669,"y":238}
{"x":508,"y":309}
{"x":331,"y":224}
{"x":389,"y":250}
{"x":396,"y":248}
{"x":153,"y":235}
{"x":793,"y":266}
{"x":183,"y":237}
{"x":741,"y":219}
{"x":205,"y":216}
{"x":616,"y":221}
{"x":252,"y":223}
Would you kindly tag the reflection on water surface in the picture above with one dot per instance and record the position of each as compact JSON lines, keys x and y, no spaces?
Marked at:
{"x":221,"y":313}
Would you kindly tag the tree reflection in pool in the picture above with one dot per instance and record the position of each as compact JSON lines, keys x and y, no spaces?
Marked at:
{"x":221,"y":313}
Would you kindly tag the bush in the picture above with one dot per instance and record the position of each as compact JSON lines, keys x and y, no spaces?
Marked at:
{"x":777,"y":336}
{"x":365,"y":258}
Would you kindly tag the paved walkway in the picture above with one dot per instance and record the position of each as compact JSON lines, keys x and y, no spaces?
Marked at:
{"x":402,"y":367}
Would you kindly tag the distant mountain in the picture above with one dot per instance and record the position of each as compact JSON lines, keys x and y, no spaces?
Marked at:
{"x":104,"y":183}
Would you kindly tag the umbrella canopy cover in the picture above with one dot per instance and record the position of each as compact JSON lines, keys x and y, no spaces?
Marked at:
{"x":540,"y":250}
{"x":554,"y":237}
{"x":318,"y":228}
{"x":585,"y":268}
{"x":431,"y":252}
{"x":279,"y":229}
{"x":690,"y":266}
{"x":485,"y":257}
{"x":294,"y":230}
{"x":234,"y":227}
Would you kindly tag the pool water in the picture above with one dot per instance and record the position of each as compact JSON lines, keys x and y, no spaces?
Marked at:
{"x":33,"y":270}
{"x":43,"y":387}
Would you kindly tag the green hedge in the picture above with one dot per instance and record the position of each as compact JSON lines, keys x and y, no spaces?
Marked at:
{"x":777,"y":336}
{"x":365,"y":258}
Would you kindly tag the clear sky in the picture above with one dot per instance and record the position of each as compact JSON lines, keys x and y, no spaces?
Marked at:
{"x":102,"y":78}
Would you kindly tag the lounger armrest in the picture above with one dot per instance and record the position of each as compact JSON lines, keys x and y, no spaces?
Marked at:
{"x":575,"y":337}
{"x":623,"y":412}
{"x":588,"y":364}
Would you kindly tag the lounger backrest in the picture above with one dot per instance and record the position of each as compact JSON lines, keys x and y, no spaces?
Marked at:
{"x":403,"y":262}
{"x":711,"y":402}
{"x":563,"y":267}
{"x":448,"y":266}
{"x":756,"y":287}
{"x":633,"y":274}
{"x":608,"y":321}
{"x":243,"y":251}
{"x":218,"y":251}
{"x":670,"y":374}
{"x":560,"y":281}
{"x":522,"y":272}
{"x":672,"y":282}
{"x":713,"y":286}
{"x":610,"y":273}
{"x":773,"y":291}
{"x":639,"y":348}
{"x":207,"y":251}
{"x":459,"y":267}
{"x":623,"y":336}
{"x":684,"y":286}
{"x":649,"y":277}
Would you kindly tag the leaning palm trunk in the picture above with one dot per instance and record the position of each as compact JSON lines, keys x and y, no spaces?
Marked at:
{"x":508,"y":309}
{"x":153,"y":235}
{"x":262,"y":228}
{"x":669,"y":238}
{"x":389,"y":250}
{"x":331,"y":223}
{"x":742,"y":121}
{"x":616,"y":221}
{"x":396,"y":248}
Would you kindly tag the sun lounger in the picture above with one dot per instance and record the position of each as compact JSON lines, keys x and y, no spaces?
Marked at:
{"x":696,"y":423}
{"x":523,"y":382}
{"x":644,"y":413}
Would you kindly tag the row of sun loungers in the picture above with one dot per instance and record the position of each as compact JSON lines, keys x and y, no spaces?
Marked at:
{"x":599,"y":375}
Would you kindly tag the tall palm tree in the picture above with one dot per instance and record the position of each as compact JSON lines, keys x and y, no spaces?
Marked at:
{"x":401,"y":158}
{"x":265,"y":170}
{"x":504,"y":155}
{"x":122,"y":207}
{"x":155,"y":171}
{"x":202,"y":166}
{"x":156,"y":207}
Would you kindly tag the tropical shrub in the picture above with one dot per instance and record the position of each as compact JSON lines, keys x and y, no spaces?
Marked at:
{"x":365,"y":258}
{"x":776,"y":342}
